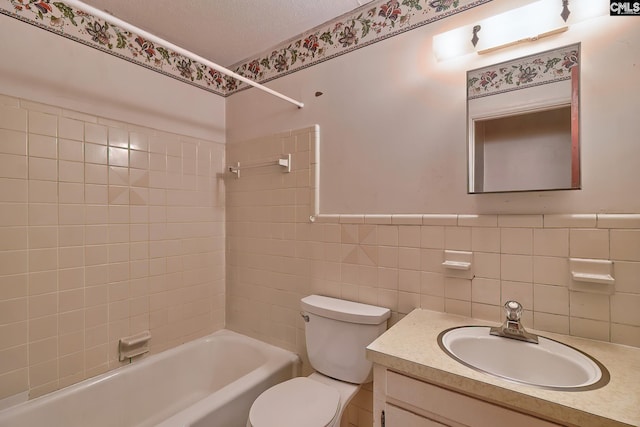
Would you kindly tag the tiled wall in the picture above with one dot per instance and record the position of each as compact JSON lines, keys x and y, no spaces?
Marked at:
{"x":106,"y":230}
{"x":276,"y":256}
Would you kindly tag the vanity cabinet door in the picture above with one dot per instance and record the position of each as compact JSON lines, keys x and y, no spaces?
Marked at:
{"x":396,"y":417}
{"x":449,"y":407}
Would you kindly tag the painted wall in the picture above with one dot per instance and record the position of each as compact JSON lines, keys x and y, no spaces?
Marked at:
{"x":393,"y":122}
{"x":43,"y":67}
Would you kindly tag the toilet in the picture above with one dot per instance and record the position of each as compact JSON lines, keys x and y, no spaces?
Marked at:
{"x":337,"y":333}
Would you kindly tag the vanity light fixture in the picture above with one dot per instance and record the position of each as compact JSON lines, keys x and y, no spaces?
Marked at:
{"x":541,"y":18}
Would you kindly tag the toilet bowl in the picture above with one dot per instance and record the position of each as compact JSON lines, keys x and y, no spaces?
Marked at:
{"x":313,"y":401}
{"x":337,"y":333}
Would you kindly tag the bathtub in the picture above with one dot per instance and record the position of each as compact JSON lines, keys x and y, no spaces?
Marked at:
{"x":208,"y":382}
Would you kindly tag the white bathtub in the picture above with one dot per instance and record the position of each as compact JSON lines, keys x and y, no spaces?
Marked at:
{"x":209,"y":382}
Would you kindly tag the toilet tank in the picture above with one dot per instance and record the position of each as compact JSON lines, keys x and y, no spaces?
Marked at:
{"x":337,"y":334}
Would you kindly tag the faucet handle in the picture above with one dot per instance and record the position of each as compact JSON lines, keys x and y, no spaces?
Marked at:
{"x":513,"y":310}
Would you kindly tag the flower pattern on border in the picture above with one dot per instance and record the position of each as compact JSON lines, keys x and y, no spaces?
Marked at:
{"x":366,"y":25}
{"x":533,"y":70}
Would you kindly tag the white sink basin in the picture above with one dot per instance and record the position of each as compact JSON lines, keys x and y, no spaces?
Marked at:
{"x":548,"y":364}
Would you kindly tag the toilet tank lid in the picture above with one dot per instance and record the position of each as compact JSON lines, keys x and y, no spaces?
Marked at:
{"x":346,"y":311}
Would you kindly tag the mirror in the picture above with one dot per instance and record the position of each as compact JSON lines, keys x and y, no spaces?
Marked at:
{"x":523,"y":123}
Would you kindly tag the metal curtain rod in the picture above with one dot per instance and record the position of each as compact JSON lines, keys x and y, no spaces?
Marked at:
{"x":131,"y":28}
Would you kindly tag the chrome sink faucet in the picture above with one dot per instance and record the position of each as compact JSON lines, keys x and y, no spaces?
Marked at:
{"x":512,"y":328}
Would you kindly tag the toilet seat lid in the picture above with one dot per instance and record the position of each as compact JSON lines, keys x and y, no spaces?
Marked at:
{"x":294,"y":403}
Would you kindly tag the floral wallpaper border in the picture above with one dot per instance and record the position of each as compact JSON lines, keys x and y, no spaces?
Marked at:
{"x":366,"y":25}
{"x":533,"y":70}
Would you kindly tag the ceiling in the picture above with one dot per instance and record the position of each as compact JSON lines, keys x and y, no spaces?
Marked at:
{"x":227,"y":31}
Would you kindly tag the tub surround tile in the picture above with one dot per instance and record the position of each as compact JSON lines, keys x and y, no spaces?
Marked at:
{"x":13,"y":118}
{"x":9,"y":101}
{"x":70,"y":129}
{"x":86,"y":245}
{"x":13,"y":142}
{"x":39,"y":107}
{"x":42,"y":123}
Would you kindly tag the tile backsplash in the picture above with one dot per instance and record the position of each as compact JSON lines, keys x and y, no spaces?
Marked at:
{"x":107,"y":229}
{"x":275,"y":256}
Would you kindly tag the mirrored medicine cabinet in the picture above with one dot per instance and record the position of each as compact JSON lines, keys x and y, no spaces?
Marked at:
{"x":523,"y":123}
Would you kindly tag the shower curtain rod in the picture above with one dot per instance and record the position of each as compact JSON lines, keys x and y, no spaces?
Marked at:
{"x":148,"y":36}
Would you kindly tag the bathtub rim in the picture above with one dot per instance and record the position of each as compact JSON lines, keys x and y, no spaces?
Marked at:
{"x":270,"y":349}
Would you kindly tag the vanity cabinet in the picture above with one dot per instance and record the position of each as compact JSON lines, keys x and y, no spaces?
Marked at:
{"x":409,"y":402}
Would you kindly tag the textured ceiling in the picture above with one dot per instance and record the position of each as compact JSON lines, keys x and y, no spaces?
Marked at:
{"x":226,"y":31}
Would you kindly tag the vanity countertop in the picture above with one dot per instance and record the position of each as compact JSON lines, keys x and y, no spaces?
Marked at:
{"x":411,"y":347}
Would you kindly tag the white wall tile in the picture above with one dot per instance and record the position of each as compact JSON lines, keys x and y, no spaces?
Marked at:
{"x":517,"y":268}
{"x":486,"y":265}
{"x":624,"y":309}
{"x":518,"y":291}
{"x":589,"y":243}
{"x":520,"y":221}
{"x":432,"y":236}
{"x":457,"y":238}
{"x":551,"y":299}
{"x":486,"y":291}
{"x":484,"y":239}
{"x":551,"y":242}
{"x":551,"y":322}
{"x":551,"y":270}
{"x":625,"y":245}
{"x":627,"y":275}
{"x":570,"y":221}
{"x":587,"y":328}
{"x":589,"y":306}
{"x":516,"y":241}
